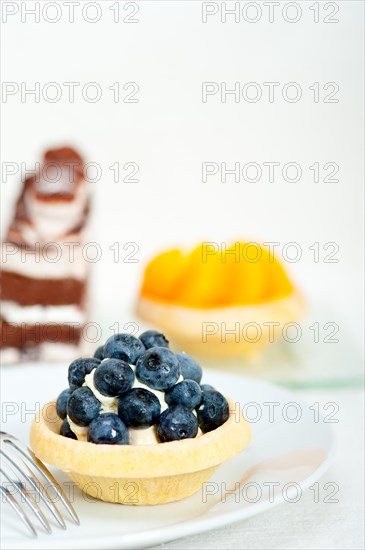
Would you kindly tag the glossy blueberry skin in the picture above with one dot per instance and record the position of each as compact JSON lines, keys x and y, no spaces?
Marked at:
{"x":158,"y":368}
{"x":99,"y":353}
{"x":108,"y":429}
{"x":177,"y":423}
{"x":78,"y":369}
{"x":207,"y":387}
{"x":189,"y":368}
{"x":186,"y":393}
{"x":66,"y":430}
{"x":113,"y":377}
{"x":153,"y":338}
{"x":139,"y":408}
{"x":213,"y":411}
{"x":61,"y":403}
{"x":123,"y":346}
{"x":83,"y":407}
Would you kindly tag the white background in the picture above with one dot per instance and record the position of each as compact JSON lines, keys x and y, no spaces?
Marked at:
{"x":170,"y":132}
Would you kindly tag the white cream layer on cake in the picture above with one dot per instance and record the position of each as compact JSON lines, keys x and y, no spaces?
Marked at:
{"x":52,"y":220}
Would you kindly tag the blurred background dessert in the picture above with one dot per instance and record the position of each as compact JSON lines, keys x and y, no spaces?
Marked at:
{"x":220,"y":301}
{"x":44,"y":274}
{"x":178,"y":170}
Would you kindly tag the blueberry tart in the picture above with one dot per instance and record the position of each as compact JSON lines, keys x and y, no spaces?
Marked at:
{"x":136,"y":425}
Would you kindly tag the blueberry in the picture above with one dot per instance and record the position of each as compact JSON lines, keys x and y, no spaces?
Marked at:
{"x":78,"y":369}
{"x":213,"y":411}
{"x":125,"y":347}
{"x":139,"y":408}
{"x":61,"y":403}
{"x":158,"y":368}
{"x":99,"y":353}
{"x":153,"y":338}
{"x":189,"y":368}
{"x":66,"y":430}
{"x":177,"y":423}
{"x":82,"y":406}
{"x":108,"y":429}
{"x":186,"y":393}
{"x":207,"y":387}
{"x":113,"y":377}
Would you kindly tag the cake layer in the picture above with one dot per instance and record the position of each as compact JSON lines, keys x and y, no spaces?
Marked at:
{"x":54,"y":202}
{"x":45,"y":262}
{"x":58,"y":260}
{"x":53,"y":219}
{"x":25,"y":336}
{"x":14,"y":313}
{"x":27,"y":291}
{"x":25,"y":233}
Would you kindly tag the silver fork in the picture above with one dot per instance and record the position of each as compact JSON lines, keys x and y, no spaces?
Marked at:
{"x":18,"y":465}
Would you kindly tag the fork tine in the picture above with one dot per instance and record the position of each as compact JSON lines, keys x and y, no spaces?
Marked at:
{"x":34,"y":506}
{"x":41,"y":468}
{"x":31,"y":479}
{"x":19,"y":486}
{"x":13,"y":503}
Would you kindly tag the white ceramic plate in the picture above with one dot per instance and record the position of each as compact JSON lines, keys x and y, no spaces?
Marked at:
{"x":284,"y":458}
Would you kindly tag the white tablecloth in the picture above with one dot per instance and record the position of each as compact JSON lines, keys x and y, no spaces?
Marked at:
{"x":307,"y":524}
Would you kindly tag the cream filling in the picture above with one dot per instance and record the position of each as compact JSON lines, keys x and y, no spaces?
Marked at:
{"x":108,"y":404}
{"x":147,"y":436}
{"x":142,"y":436}
{"x":79,"y":431}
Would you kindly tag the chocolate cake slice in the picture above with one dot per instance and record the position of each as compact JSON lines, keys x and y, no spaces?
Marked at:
{"x":44,"y":273}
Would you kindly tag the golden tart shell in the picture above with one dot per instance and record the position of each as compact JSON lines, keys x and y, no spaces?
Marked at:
{"x":139,"y":474}
{"x":186,"y":329}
